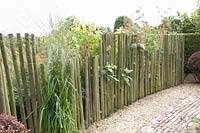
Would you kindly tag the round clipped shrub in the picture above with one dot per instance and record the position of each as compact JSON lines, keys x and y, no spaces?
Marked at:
{"x":194,"y":65}
{"x":9,"y":124}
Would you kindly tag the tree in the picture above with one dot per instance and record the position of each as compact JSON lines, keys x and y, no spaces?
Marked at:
{"x":123,"y":22}
{"x":182,"y":23}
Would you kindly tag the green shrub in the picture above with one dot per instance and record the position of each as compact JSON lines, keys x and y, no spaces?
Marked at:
{"x":194,"y":65}
{"x":123,"y":22}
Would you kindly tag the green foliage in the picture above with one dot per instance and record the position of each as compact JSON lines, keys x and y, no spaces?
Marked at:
{"x":83,"y":38}
{"x":56,"y":114}
{"x":69,"y":39}
{"x":183,"y":23}
{"x":126,"y":76}
{"x":108,"y":72}
{"x":118,"y":23}
{"x":196,"y":19}
{"x":87,"y":38}
{"x":192,"y":44}
{"x":197,"y":121}
{"x":149,"y":38}
{"x":194,"y":65}
{"x":123,"y":23}
{"x":145,"y":34}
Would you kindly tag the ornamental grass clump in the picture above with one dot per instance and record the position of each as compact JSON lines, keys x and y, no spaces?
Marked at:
{"x":9,"y":124}
{"x":56,"y":114}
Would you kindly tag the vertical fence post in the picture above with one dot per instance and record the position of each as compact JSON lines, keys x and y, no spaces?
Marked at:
{"x":24,"y":82}
{"x":72,"y":93}
{"x":136,"y":74}
{"x":96,"y":104}
{"x":87,"y":98}
{"x":162,"y":69}
{"x":165,"y":66}
{"x":32,"y":83}
{"x":104,"y":78}
{"x":2,"y":94}
{"x":21,"y":101}
{"x":7,"y":107}
{"x":125,"y":66}
{"x":101,"y":82}
{"x":177,"y":60}
{"x":115,"y":62}
{"x":147,"y":91}
{"x":38,"y":93}
{"x":130,"y":61}
{"x":151,"y":73}
{"x":182,"y":58}
{"x":76,"y":94}
{"x":82,"y":124}
{"x":119,"y":72}
{"x":112,"y":60}
{"x":141,"y":73}
{"x":8,"y":78}
{"x":120,"y":68}
{"x":169,"y":60}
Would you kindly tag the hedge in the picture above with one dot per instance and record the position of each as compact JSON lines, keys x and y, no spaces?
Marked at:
{"x":192,"y":44}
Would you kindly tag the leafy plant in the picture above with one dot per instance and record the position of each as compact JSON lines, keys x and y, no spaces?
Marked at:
{"x":197,"y":121}
{"x":88,"y":38}
{"x":126,"y":76}
{"x":182,"y":23}
{"x":108,"y":72}
{"x":83,"y":38}
{"x":56,"y":114}
{"x":9,"y":124}
{"x":123,"y":23}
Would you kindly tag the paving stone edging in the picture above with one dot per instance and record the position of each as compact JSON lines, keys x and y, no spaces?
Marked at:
{"x":177,"y":119}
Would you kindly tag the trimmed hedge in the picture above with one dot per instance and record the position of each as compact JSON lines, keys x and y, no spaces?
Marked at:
{"x":192,"y":45}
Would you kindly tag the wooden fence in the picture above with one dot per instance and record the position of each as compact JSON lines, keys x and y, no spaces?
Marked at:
{"x":149,"y":72}
{"x":25,"y":81}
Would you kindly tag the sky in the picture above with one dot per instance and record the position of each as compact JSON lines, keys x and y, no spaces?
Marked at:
{"x":32,"y":16}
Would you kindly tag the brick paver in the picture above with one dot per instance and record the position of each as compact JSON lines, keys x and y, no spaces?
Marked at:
{"x":177,"y":119}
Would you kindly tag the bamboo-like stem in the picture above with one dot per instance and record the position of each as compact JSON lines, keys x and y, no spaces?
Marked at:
{"x":32,"y":83}
{"x":2,"y":94}
{"x":38,"y":93}
{"x":24,"y":82}
{"x":8,"y":78}
{"x":21,"y":101}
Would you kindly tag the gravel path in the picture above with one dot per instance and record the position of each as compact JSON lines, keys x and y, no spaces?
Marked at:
{"x":134,"y":117}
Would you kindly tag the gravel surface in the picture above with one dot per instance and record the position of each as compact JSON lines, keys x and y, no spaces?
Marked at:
{"x":135,"y":116}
